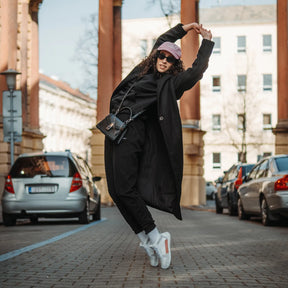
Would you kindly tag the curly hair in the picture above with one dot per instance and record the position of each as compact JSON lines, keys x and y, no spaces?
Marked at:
{"x":148,"y":65}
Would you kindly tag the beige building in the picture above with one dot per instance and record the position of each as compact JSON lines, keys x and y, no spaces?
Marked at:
{"x":238,"y":90}
{"x":66,"y":117}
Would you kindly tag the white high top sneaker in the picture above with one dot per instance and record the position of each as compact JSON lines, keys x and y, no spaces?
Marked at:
{"x":150,"y":252}
{"x":162,"y":249}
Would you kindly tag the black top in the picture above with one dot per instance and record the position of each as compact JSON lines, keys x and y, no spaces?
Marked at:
{"x":141,"y":97}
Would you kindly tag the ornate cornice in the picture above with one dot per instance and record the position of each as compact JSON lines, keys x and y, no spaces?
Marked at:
{"x":117,"y":3}
{"x":34,"y":5}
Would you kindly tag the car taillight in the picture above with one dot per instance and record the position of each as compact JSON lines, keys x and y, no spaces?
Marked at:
{"x":9,"y":185}
{"x":281,"y":184}
{"x":76,"y":182}
{"x":239,"y":180}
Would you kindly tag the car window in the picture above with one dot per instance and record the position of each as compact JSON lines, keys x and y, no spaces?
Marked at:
{"x":233,"y":173}
{"x":263,"y":169}
{"x":282,"y":163}
{"x":52,"y":166}
{"x":246,"y":169}
{"x":253,"y":172}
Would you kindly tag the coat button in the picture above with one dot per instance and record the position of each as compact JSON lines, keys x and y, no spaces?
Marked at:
{"x":161,"y":118}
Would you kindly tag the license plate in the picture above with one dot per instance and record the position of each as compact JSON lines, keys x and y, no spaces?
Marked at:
{"x":42,"y":189}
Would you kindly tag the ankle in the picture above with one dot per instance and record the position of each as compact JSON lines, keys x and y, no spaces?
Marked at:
{"x":154,"y":235}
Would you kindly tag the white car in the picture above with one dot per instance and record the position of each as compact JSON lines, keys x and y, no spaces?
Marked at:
{"x":265,"y":192}
{"x":50,"y":184}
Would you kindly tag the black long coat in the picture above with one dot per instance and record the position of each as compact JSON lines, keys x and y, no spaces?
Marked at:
{"x":161,"y":170}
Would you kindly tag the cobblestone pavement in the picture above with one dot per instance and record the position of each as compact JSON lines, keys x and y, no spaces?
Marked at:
{"x":208,"y":250}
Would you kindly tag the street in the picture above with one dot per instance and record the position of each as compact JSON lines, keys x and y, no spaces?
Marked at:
{"x":208,"y":250}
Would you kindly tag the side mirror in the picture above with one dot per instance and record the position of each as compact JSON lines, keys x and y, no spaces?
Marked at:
{"x":96,"y":178}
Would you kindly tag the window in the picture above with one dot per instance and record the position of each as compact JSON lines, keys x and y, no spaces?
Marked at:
{"x":216,"y":160}
{"x":267,"y":122}
{"x":216,"y":122}
{"x":216,"y":82}
{"x":267,"y":82}
{"x":241,"y":122}
{"x":241,"y":83}
{"x":241,"y":44}
{"x":217,"y":45}
{"x":143,"y":47}
{"x":267,"y":43}
{"x":267,"y":154}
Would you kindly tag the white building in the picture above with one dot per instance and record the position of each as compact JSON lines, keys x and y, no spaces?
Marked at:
{"x":66,"y":115}
{"x":240,"y":83}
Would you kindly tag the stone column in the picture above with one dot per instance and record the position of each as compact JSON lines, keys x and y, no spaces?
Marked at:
{"x":281,"y":130}
{"x":4,"y":56}
{"x":193,"y":185}
{"x":110,"y":74}
{"x":190,"y":101}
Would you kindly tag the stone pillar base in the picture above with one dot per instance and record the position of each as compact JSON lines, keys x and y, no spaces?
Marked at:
{"x":98,"y":168}
{"x":281,"y":137}
{"x":31,"y":141}
{"x":193,"y":184}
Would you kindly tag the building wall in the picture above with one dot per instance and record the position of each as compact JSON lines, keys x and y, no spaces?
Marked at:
{"x":66,"y":117}
{"x":252,"y":22}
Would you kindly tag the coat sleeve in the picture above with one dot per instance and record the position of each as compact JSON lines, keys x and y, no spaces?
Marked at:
{"x":188,"y":78}
{"x":172,"y":35}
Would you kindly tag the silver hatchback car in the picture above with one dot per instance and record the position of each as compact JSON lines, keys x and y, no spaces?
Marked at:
{"x":265,"y":192}
{"x":50,"y":184}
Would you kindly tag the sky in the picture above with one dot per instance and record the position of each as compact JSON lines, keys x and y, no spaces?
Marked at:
{"x":62,"y":23}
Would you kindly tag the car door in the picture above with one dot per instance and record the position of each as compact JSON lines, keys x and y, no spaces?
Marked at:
{"x":255,"y":187}
{"x":246,"y":191}
{"x":225,"y":187}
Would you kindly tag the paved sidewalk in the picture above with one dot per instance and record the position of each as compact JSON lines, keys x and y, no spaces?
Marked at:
{"x":208,"y":250}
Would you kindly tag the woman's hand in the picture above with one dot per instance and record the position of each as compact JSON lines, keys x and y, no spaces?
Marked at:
{"x":199,"y":29}
{"x":192,"y":26}
{"x":206,"y":34}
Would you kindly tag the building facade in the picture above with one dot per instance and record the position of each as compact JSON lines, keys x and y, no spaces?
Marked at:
{"x":66,"y":117}
{"x":239,"y":89}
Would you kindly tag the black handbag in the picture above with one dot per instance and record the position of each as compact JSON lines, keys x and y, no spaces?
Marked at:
{"x":113,"y":127}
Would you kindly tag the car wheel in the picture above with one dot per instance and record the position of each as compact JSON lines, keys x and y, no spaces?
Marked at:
{"x":266,"y":214}
{"x":241,"y":213}
{"x":97,"y":214}
{"x":9,"y":219}
{"x":84,"y":217}
{"x":219,"y":209}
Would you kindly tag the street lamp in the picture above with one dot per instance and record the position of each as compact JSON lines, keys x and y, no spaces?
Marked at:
{"x":10,"y":75}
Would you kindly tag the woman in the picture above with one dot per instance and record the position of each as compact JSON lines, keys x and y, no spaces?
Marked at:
{"x":146,"y":167}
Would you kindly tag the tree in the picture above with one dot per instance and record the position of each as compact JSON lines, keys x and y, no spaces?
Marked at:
{"x":87,"y":54}
{"x":168,"y":8}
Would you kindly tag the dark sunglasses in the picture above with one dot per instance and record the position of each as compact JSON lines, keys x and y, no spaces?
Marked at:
{"x":170,"y":59}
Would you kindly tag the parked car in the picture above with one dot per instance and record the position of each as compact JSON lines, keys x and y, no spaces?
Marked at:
{"x":50,"y":184}
{"x":210,"y":190}
{"x":265,"y":192}
{"x":226,"y":196}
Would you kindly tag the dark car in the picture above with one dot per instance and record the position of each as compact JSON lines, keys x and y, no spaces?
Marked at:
{"x":50,"y":184}
{"x":226,"y":196}
{"x":265,"y":192}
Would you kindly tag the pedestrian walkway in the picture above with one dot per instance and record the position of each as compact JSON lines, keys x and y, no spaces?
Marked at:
{"x":208,"y":250}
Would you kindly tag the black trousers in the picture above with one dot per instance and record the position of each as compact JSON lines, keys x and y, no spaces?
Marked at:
{"x":122,"y":170}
